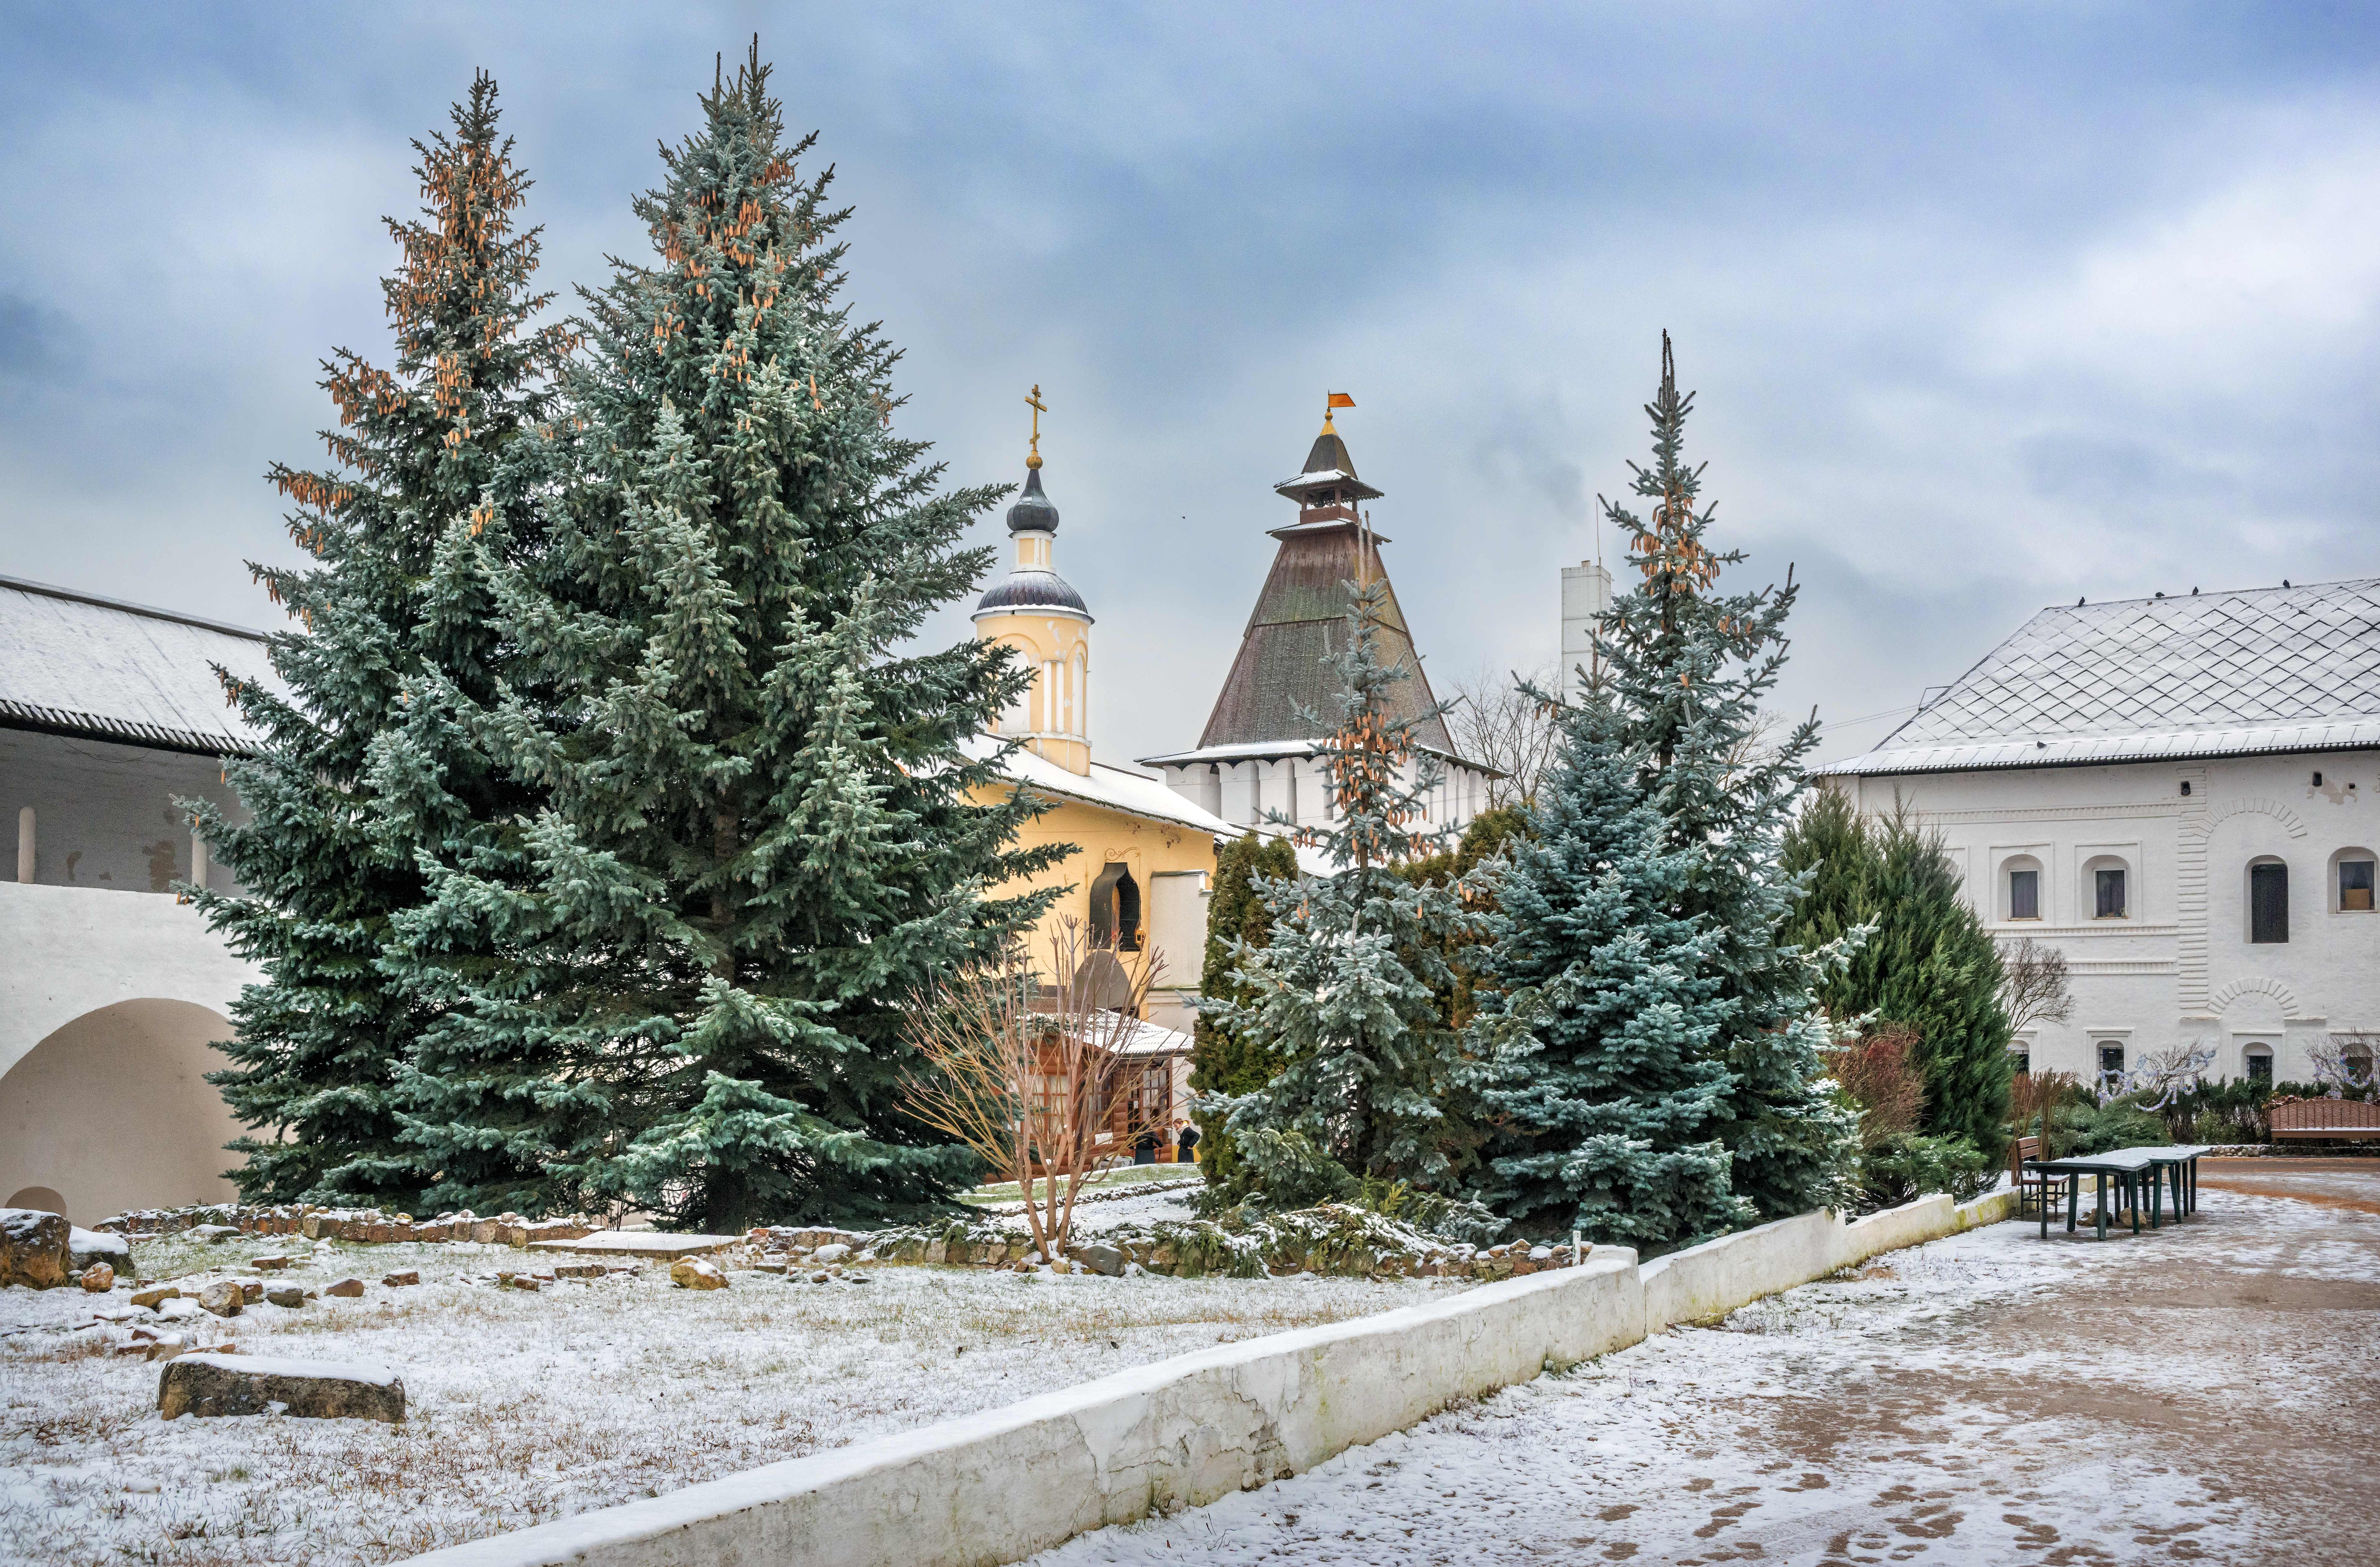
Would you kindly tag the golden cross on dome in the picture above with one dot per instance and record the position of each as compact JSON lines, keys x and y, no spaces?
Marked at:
{"x":1033,"y":458}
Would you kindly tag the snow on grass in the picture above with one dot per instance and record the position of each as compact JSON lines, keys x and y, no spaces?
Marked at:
{"x":524,"y":1407}
{"x":2195,"y":1393}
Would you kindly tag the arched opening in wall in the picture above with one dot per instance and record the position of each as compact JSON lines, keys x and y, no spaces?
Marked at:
{"x":114,"y":1110}
{"x":2107,"y":887}
{"x":2351,"y":881}
{"x":2020,"y":887}
{"x":1115,"y":909}
{"x":42,"y":1199}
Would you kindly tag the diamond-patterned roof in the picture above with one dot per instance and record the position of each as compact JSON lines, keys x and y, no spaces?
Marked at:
{"x":2273,"y":668}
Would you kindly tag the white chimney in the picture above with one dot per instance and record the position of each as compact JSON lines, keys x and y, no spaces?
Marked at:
{"x":1586,"y":594}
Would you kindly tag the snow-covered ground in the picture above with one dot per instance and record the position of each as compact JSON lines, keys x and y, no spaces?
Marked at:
{"x":2206,"y":1393}
{"x":526,"y":1407}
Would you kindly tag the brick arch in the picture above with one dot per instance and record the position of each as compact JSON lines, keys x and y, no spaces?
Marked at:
{"x":2204,"y":823}
{"x":2257,"y":985}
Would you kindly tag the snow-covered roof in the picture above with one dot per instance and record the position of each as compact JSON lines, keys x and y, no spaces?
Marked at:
{"x":1153,"y":1039}
{"x":1117,"y":789}
{"x":76,"y":663}
{"x":2213,"y":674}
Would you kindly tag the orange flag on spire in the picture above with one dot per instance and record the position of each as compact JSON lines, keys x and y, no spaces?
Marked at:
{"x":1340,"y":400}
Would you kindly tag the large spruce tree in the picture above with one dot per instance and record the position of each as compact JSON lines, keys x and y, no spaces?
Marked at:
{"x":1687,"y":668}
{"x":1345,"y":994}
{"x":1604,"y":1022}
{"x":325,"y":858}
{"x":763,"y":833}
{"x":1927,"y":961}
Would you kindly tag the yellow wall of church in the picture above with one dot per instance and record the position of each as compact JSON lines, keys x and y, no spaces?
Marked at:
{"x":1054,"y":718}
{"x":1152,"y":849}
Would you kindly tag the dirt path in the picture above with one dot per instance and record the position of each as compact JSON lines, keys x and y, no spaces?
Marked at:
{"x":2208,"y":1393}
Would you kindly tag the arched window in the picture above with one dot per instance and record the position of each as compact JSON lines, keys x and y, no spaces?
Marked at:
{"x":2259,"y":1062}
{"x":2351,"y":881}
{"x":2020,"y":887}
{"x":2269,"y":902}
{"x":2107,"y":887}
{"x":1115,"y":907}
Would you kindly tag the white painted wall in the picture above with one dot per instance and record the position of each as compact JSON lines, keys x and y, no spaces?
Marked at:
{"x":1244,"y":791}
{"x":1585,"y":595}
{"x":1000,"y":1486}
{"x":2178,"y":968}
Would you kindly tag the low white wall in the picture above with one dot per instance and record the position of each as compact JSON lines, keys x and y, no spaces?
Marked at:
{"x":998,"y":1487}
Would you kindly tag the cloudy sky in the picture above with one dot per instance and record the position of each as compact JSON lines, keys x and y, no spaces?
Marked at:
{"x":1989,"y":306}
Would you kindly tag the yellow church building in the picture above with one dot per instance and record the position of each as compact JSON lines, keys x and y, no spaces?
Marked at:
{"x":1144,"y":861}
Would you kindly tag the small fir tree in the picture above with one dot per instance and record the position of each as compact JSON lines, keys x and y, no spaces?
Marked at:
{"x":1346,"y":993}
{"x":763,"y":835}
{"x":1221,"y":1063}
{"x":327,"y":858}
{"x":1928,"y":963}
{"x":1688,"y":668}
{"x":1606,"y":1083}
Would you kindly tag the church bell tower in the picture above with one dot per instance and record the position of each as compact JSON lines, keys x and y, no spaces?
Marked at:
{"x":1034,"y":611}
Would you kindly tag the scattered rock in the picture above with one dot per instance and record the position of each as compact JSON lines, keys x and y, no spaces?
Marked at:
{"x":162,"y":1348}
{"x":99,"y":1278}
{"x":85,"y":1248}
{"x":288,"y":1296}
{"x":268,"y":1264}
{"x":32,"y":1248}
{"x":243,"y":1384}
{"x":213,"y":1232}
{"x":250,"y":1290}
{"x":1099,"y":1258}
{"x":393,"y":1281}
{"x":180,"y":1309}
{"x":694,"y":1272}
{"x":224,"y":1297}
{"x":353,"y":1289}
{"x":821,"y":1278}
{"x":834,"y":1253}
{"x":523,"y":1281}
{"x":155,"y":1297}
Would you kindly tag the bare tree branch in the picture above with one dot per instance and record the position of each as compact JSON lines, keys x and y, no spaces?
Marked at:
{"x":2032,"y":985}
{"x":1037,"y":1074}
{"x":1496,"y":723}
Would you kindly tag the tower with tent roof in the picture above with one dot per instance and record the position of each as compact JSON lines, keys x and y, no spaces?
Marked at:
{"x":1256,"y":756}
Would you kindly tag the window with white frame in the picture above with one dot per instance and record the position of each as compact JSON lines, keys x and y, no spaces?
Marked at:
{"x":2351,"y":881}
{"x":2107,"y":887}
{"x":2020,"y":887}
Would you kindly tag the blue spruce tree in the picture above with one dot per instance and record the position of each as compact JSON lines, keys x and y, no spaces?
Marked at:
{"x":1608,"y":1096}
{"x":1677,"y":1042}
{"x":1346,"y":993}
{"x":329,"y":856}
{"x":763,"y":831}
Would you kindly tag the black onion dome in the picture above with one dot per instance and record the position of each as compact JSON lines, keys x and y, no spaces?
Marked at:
{"x":1033,"y":512}
{"x":1033,"y":590}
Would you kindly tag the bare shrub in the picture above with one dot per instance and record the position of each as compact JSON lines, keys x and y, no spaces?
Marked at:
{"x":1888,"y":1088}
{"x":1037,"y":1073}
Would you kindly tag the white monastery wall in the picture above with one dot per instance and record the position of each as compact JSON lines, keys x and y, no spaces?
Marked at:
{"x":104,"y":815}
{"x":1000,"y":1486}
{"x":2177,"y":967}
{"x":1244,"y":791}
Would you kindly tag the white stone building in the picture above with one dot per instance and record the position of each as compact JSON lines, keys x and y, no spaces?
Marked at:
{"x":112,"y":989}
{"x":2175,"y":792}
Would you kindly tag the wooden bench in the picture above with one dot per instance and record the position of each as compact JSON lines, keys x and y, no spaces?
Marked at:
{"x":2309,"y":1120}
{"x":2021,"y":1152}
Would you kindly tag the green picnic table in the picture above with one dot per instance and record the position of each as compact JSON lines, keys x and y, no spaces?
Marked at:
{"x":2139,"y":1172}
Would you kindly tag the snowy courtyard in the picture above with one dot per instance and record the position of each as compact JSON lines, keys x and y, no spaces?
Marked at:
{"x":2206,"y":1393}
{"x":525,"y":1406}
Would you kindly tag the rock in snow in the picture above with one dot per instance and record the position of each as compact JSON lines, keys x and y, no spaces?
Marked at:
{"x":692,"y":1273}
{"x":247,"y":1384}
{"x":156,"y":1296}
{"x":347,"y":1289}
{"x":32,"y":1248}
{"x":85,"y":1248}
{"x":286,"y":1296}
{"x":224,"y":1297}
{"x":394,"y":1281}
{"x":99,"y":1278}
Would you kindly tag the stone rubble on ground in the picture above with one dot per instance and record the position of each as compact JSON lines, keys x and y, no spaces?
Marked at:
{"x":224,"y":1297}
{"x":209,"y":1384}
{"x":99,"y":1278}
